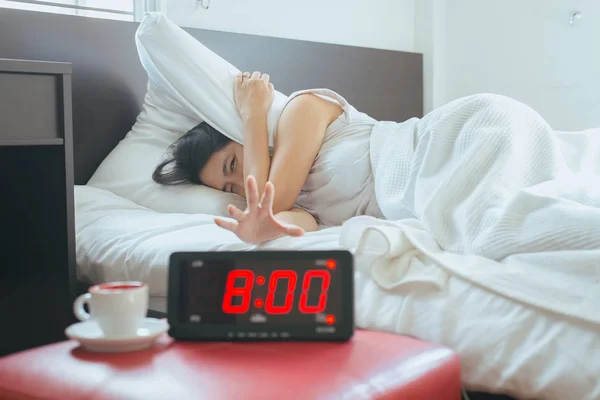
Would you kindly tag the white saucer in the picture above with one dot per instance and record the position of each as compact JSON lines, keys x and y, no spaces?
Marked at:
{"x":90,"y":336}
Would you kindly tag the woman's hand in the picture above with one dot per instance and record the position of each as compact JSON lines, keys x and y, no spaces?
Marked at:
{"x":253,"y":95}
{"x":257,"y":224}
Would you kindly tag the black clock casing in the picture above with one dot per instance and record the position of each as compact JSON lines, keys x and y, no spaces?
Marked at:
{"x":261,"y":295}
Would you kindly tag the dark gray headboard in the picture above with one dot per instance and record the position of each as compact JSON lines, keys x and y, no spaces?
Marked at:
{"x":109,"y":82}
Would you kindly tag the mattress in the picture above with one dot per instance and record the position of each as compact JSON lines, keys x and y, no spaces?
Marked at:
{"x":504,"y":346}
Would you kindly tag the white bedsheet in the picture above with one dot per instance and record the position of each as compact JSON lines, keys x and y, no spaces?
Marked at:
{"x":504,"y":346}
{"x":118,"y":239}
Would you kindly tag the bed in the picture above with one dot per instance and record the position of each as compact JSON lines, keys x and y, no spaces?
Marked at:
{"x":502,"y":344}
{"x":505,"y":347}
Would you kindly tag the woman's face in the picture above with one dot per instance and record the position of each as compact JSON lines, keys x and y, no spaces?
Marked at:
{"x":224,"y":170}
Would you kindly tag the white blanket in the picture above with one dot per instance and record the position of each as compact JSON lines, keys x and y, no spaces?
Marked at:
{"x":487,"y":177}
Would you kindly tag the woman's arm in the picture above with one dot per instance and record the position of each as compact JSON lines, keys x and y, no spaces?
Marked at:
{"x":298,"y":217}
{"x":254,"y":97}
{"x":300,"y":134}
{"x":256,"y":151}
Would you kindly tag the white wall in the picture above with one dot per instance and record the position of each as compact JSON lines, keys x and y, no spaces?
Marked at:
{"x":384,"y":24}
{"x":523,"y":49}
{"x":430,"y":29}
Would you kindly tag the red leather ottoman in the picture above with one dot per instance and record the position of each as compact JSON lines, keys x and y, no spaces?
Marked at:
{"x":372,"y":365}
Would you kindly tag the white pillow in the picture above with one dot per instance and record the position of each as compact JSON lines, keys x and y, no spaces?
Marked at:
{"x":187,"y":84}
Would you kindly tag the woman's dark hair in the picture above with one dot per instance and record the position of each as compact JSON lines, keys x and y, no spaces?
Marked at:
{"x":188,"y":155}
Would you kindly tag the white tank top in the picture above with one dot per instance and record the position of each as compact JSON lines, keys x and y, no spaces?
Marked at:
{"x":340,"y":183}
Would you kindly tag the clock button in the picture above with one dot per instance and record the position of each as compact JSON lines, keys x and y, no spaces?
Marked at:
{"x":230,"y":334}
{"x":274,"y":335}
{"x":241,"y":334}
{"x":285,"y":334}
{"x":263,"y":335}
{"x":325,"y":329}
{"x":252,"y":334}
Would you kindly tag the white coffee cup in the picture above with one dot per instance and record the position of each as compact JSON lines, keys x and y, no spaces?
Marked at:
{"x":119,"y":308}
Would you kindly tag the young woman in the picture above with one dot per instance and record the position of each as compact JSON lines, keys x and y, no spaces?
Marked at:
{"x":484,"y":174}
{"x":321,"y":156}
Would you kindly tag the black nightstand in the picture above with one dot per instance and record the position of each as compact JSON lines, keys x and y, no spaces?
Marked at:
{"x":37,"y":233}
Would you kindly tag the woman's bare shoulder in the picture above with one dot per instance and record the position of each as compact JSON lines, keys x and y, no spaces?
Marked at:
{"x":313,"y":106}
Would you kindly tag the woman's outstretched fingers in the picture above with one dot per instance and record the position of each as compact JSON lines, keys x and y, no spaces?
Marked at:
{"x":229,"y":225}
{"x":252,"y":193}
{"x":267,"y":201}
{"x":236,"y":212}
{"x":293,"y":230}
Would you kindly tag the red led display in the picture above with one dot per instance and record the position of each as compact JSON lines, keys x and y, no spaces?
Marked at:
{"x":308,"y":277}
{"x":240,"y":284}
{"x":291,"y":278}
{"x":245,"y":292}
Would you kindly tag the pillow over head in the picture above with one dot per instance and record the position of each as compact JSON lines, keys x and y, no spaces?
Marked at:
{"x":187,"y":84}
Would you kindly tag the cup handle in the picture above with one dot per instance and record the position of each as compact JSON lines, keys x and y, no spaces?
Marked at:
{"x":78,"y":309}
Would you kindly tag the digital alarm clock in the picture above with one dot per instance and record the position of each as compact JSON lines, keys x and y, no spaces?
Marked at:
{"x":261,"y":295}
